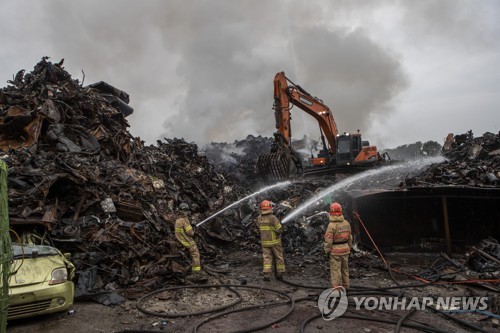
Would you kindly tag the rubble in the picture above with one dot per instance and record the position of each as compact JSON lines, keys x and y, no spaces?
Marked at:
{"x":471,"y":161}
{"x":485,"y":258}
{"x":237,"y":161}
{"x":94,"y":190}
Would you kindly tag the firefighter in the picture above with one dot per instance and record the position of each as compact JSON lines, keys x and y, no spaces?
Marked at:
{"x":270,"y":237}
{"x":184,"y":233}
{"x":338,"y":243}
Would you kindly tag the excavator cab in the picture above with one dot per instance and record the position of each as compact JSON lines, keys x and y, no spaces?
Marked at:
{"x":353,"y":151}
{"x":348,"y":148}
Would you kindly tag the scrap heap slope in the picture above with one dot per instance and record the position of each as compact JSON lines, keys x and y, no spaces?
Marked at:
{"x":79,"y":180}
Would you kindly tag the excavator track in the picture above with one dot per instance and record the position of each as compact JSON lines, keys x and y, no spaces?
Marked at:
{"x":274,"y":166}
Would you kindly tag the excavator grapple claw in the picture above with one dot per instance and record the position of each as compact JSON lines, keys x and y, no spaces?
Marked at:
{"x":274,"y":165}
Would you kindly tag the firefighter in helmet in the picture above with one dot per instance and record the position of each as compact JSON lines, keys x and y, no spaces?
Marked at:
{"x":270,"y":237}
{"x":184,"y":233}
{"x":338,"y":243}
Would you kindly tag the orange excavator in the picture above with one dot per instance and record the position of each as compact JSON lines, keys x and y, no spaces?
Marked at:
{"x":340,"y":153}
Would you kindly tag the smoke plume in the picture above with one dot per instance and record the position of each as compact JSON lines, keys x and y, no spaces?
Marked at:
{"x":203,"y":70}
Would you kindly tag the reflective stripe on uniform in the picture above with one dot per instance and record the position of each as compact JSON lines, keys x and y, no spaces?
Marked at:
{"x":269,"y":228}
{"x":196,"y":268}
{"x":271,"y":242}
{"x":339,"y":251}
{"x":183,"y":238}
{"x":342,"y":235}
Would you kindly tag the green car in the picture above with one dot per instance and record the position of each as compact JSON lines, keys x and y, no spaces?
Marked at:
{"x":40,"y":282}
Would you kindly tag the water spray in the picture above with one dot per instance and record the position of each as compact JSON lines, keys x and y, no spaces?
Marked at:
{"x":267,"y":188}
{"x":412,"y":165}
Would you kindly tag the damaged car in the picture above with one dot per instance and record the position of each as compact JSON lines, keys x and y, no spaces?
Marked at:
{"x":40,"y":281}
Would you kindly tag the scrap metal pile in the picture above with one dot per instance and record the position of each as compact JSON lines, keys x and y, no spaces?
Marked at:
{"x":237,"y":161}
{"x":485,"y":258}
{"x":93,"y":189}
{"x":470,"y":161}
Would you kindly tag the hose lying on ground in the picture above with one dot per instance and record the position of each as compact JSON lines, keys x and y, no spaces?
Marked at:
{"x":186,"y":314}
{"x":232,"y":287}
{"x":378,"y":320}
{"x":261,"y":326}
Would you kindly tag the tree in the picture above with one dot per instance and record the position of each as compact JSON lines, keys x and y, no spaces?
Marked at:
{"x":431,"y":148}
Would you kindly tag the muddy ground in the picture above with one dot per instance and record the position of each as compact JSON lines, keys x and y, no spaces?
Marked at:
{"x":243,"y":268}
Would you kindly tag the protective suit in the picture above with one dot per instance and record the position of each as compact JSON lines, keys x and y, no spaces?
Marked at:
{"x":270,"y":230}
{"x":337,"y":245}
{"x":184,"y":233}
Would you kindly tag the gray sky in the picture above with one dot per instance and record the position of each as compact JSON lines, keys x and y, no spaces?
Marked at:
{"x":400,"y":71}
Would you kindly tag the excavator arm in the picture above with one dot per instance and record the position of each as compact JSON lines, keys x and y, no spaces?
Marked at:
{"x":275,"y":165}
{"x":285,"y":94}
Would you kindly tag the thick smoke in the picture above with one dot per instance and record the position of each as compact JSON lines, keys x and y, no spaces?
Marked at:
{"x":203,"y":70}
{"x":349,"y":72}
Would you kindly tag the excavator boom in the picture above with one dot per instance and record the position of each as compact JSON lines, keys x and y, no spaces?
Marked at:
{"x":285,"y":94}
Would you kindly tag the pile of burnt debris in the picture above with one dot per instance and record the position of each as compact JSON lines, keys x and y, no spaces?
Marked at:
{"x":471,"y":161}
{"x":237,"y":161}
{"x":78,"y":180}
{"x":485,"y":258}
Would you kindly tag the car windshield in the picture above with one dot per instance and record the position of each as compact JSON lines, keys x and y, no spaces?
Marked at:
{"x":31,"y":250}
